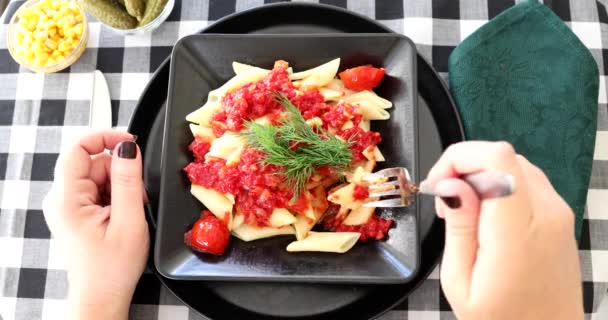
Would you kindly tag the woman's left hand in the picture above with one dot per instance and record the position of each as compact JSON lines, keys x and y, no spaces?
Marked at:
{"x":95,"y":210}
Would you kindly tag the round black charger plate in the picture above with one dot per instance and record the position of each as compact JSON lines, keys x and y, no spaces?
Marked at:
{"x":439,"y":126}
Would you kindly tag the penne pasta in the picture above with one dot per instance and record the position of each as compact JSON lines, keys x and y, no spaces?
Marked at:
{"x":359,"y":216}
{"x":319,"y":76}
{"x":347,"y":125}
{"x":202,"y":115}
{"x":338,"y":85}
{"x":281,"y":217}
{"x":330,"y":94}
{"x":225,"y":146}
{"x":215,"y":201}
{"x":248,"y":232}
{"x":371,"y":111}
{"x":302,"y":226}
{"x":378,"y":156}
{"x":370,"y":97}
{"x":338,"y":242}
{"x":314,"y":122}
{"x":247,"y":76}
{"x":235,"y":156}
{"x":240,"y":68}
{"x":201,"y":132}
{"x":344,"y":197}
{"x":364,"y":125}
{"x":373,"y":153}
{"x":237,"y":220}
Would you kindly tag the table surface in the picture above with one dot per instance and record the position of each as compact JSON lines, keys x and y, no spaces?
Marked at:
{"x":40,"y":114}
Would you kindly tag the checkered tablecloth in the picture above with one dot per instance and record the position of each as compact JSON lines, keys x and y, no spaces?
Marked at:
{"x":39,"y":114}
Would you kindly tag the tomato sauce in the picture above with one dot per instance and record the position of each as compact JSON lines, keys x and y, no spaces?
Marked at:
{"x":257,"y":188}
{"x":374,"y":228}
{"x":337,"y":116}
{"x":360,"y":193}
{"x":360,"y":141}
{"x":253,"y":100}
{"x":199,"y":149}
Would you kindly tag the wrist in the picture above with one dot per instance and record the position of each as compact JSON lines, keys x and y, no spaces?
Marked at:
{"x":108,"y":306}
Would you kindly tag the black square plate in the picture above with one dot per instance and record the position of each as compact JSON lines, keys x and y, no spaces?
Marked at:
{"x":201,"y":63}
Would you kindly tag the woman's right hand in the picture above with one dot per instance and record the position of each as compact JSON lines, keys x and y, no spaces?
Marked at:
{"x":505,"y":258}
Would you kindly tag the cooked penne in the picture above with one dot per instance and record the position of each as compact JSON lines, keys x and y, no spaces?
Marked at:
{"x":281,"y":217}
{"x":347,"y":125}
{"x":338,"y":242}
{"x":302,"y":226}
{"x":344,"y":197}
{"x":330,"y":94}
{"x":248,"y":232}
{"x":378,"y":156}
{"x":247,"y":76}
{"x":370,"y":97}
{"x":216,"y":202}
{"x":199,"y":131}
{"x":240,"y":68}
{"x":365,"y":125}
{"x":371,"y":111}
{"x":373,"y":153}
{"x":225,"y":146}
{"x":314,"y":122}
{"x":235,"y":156}
{"x":338,"y":85}
{"x":237,"y":220}
{"x":359,"y":216}
{"x":202,"y":115}
{"x":319,"y":76}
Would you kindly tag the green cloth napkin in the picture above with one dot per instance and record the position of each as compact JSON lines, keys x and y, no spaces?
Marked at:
{"x":524,"y":77}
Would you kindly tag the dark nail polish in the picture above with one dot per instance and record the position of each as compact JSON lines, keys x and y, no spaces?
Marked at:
{"x":127,"y":150}
{"x":452,"y":202}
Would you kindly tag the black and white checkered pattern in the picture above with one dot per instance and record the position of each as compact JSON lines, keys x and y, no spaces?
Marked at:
{"x":40,"y":114}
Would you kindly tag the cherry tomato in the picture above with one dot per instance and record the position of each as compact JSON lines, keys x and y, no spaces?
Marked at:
{"x":362,"y":78}
{"x":208,"y":235}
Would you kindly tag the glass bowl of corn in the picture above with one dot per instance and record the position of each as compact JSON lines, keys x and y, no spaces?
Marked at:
{"x":48,"y":35}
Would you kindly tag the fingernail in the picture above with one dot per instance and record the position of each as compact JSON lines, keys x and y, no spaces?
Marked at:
{"x":425,"y":187}
{"x":134,"y":137}
{"x":127,"y":150}
{"x":452,"y":202}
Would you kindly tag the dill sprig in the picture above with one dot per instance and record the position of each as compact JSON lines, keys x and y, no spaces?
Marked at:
{"x":296,"y":147}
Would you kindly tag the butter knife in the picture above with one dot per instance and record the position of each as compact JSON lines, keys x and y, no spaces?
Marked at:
{"x":100,"y":115}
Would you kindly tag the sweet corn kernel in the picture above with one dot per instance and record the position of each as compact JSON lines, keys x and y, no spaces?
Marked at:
{"x":78,"y":29}
{"x":63,"y":47}
{"x":50,"y":44}
{"x":48,"y":31}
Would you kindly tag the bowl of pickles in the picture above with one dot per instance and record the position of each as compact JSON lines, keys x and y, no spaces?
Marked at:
{"x":129,"y":17}
{"x":47,"y":35}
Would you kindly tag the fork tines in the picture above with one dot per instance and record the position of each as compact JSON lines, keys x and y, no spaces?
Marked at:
{"x":388,"y":183}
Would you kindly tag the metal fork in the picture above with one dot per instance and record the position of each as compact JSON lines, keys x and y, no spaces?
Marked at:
{"x":395,"y":184}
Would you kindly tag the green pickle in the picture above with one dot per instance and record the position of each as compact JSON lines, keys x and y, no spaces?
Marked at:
{"x":135,"y":8}
{"x":153,"y":9}
{"x":110,"y":12}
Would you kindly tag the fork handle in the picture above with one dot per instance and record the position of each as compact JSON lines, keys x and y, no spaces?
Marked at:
{"x":487,"y":184}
